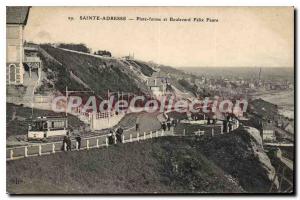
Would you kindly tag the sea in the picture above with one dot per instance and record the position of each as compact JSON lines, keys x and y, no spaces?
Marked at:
{"x":283,"y":99}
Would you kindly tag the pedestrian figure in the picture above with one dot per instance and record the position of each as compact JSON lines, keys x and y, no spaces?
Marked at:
{"x":78,"y":139}
{"x":164,"y":126}
{"x":214,"y":120}
{"x":174,"y":122}
{"x":208,"y":121}
{"x":169,"y":125}
{"x":137,"y":124}
{"x":230,"y":126}
{"x":193,"y":116}
{"x":69,"y":144}
{"x":228,"y":118}
{"x":64,"y":143}
{"x":119,"y":134}
{"x":225,"y":126}
{"x":111,"y":137}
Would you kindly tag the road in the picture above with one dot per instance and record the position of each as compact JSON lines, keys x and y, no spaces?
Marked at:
{"x":147,"y":122}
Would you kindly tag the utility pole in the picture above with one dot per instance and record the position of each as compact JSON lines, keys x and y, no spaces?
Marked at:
{"x":67,"y":96}
{"x":67,"y":107}
{"x":32,"y":107}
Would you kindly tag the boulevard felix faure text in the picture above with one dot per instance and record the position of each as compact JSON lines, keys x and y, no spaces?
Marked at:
{"x":146,"y":19}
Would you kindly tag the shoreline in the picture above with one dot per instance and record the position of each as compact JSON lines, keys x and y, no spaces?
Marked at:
{"x":283,"y":99}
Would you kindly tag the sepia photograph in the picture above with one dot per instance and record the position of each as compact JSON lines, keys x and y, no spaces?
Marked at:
{"x":150,"y":100}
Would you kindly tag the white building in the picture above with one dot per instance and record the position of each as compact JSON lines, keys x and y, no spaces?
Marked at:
{"x":268,"y":132}
{"x":157,"y":86}
{"x":16,"y":19}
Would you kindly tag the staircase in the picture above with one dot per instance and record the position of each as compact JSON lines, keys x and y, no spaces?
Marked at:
{"x":84,"y":118}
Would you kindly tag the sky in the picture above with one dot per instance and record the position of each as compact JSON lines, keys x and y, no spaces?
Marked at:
{"x":242,"y":37}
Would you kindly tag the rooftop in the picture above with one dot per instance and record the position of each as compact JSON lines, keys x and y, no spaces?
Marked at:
{"x":17,"y":14}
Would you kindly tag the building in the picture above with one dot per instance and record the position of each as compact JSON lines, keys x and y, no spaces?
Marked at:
{"x":156,"y":91}
{"x":157,"y":86}
{"x":16,"y":19}
{"x":129,"y":57}
{"x":268,"y":132}
{"x":31,"y":61}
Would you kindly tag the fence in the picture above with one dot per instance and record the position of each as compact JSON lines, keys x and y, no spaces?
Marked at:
{"x":42,"y":99}
{"x":86,"y":144}
{"x":102,"y":141}
{"x":190,"y":129}
{"x":98,"y":121}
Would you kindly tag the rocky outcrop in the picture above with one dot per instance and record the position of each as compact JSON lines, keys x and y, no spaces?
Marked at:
{"x":241,"y":154}
{"x":257,"y":147}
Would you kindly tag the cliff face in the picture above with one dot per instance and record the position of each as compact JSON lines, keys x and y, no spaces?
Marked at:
{"x":241,"y":155}
{"x":258,"y":151}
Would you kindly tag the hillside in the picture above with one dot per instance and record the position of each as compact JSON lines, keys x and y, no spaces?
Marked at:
{"x":163,"y":165}
{"x":79,"y":70}
{"x":142,"y":66}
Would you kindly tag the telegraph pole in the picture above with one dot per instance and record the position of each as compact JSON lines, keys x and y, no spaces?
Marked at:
{"x":67,"y":106}
{"x":67,"y":96}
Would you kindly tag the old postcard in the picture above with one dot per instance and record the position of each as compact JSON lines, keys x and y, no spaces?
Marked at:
{"x":150,"y":100}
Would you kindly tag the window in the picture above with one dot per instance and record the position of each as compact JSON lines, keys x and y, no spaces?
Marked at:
{"x":12,"y":72}
{"x":58,"y":124}
{"x":45,"y":125}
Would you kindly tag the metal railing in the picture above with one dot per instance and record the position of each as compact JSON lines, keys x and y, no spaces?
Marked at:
{"x":32,"y":59}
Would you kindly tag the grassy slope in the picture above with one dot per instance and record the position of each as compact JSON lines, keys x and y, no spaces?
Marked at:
{"x":188,"y":86}
{"x":145,"y":69}
{"x":19,"y":125}
{"x":146,"y":166}
{"x":175,"y":76}
{"x":58,"y":74}
{"x":99,"y":74}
